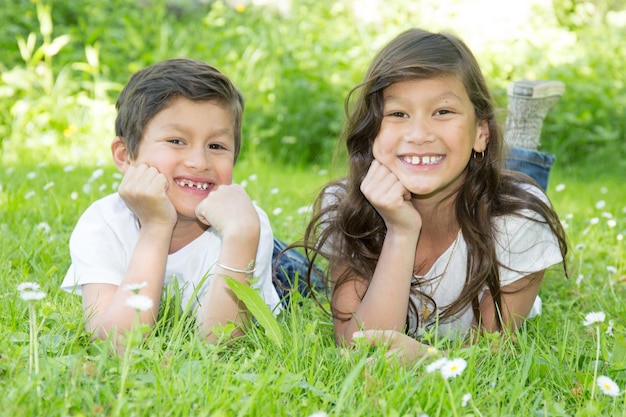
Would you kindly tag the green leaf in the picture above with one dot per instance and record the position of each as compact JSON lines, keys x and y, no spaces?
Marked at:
{"x":619,"y":353}
{"x":258,"y":309}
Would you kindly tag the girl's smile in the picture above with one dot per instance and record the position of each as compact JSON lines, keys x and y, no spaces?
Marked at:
{"x":424,"y":160}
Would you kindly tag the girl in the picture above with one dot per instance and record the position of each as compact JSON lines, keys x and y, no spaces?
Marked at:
{"x":427,"y":230}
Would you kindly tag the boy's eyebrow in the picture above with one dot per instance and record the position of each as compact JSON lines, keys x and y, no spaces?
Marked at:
{"x":214,"y":133}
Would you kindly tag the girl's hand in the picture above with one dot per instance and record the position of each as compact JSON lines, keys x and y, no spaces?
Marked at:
{"x":230,"y":211}
{"x":400,"y":347}
{"x":144,"y":190}
{"x":386,"y":193}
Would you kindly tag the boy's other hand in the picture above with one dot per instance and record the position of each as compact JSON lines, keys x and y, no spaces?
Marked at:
{"x":230,"y":211}
{"x":144,"y":190}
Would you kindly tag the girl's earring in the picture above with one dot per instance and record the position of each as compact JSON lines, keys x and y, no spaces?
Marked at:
{"x":476,"y":158}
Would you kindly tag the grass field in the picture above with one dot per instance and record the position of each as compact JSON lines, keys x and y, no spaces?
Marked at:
{"x":550,"y":371}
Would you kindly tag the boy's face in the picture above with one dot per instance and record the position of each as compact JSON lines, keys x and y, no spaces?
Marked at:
{"x":191,"y":143}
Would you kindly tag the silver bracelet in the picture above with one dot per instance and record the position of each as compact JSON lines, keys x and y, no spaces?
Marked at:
{"x":239,"y":271}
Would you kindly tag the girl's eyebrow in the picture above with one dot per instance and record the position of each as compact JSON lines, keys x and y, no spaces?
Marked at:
{"x":447,"y":95}
{"x":443,"y":96}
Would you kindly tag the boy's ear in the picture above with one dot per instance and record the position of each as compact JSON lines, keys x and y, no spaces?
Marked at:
{"x":482,"y":136}
{"x":119,"y":151}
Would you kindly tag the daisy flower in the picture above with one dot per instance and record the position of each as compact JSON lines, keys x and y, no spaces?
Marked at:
{"x":435,"y":366}
{"x":453,"y":368}
{"x":608,"y":386}
{"x":594,"y":317}
{"x":32,"y":295}
{"x":28,"y":286}
{"x":139,"y":302}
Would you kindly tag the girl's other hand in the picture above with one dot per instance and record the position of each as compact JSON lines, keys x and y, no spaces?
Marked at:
{"x":385,"y":192}
{"x":400,"y":347}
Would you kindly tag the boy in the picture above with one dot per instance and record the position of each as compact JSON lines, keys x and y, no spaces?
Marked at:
{"x":176,"y":214}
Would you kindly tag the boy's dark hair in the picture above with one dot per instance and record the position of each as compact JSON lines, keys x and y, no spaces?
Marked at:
{"x":152,"y":89}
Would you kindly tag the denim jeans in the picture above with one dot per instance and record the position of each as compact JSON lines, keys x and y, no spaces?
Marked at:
{"x":293,"y":265}
{"x":533,"y":163}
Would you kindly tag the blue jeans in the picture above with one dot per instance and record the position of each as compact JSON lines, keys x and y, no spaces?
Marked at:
{"x":533,"y":163}
{"x":293,"y":265}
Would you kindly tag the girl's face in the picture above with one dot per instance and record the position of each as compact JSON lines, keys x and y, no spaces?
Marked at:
{"x":427,"y":133}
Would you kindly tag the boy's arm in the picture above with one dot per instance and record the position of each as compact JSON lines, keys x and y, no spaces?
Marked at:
{"x":105,"y":306}
{"x":230,"y":211}
{"x":143,"y":189}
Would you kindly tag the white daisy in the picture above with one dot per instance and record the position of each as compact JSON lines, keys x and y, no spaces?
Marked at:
{"x":32,"y":295}
{"x":594,"y":317}
{"x":43,"y":227}
{"x":435,"y":366}
{"x":453,"y":368}
{"x":139,"y":302}
{"x":608,"y":386}
{"x":28,"y":286}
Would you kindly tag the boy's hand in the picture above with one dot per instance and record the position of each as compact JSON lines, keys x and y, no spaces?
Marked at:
{"x":144,"y":190}
{"x":230,"y":211}
{"x":385,"y":192}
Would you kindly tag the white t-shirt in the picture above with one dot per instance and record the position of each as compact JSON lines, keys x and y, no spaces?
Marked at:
{"x":523,"y":245}
{"x":105,"y":236}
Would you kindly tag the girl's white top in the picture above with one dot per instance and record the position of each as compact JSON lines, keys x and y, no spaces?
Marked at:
{"x":106,"y":234}
{"x":524,"y":246}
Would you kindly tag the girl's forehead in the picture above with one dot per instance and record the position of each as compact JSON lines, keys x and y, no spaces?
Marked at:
{"x":446,"y":85}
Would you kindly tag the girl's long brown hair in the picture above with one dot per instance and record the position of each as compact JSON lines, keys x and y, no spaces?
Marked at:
{"x":349,"y":231}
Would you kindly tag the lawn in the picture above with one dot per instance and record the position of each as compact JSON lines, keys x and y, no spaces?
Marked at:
{"x":551,"y":370}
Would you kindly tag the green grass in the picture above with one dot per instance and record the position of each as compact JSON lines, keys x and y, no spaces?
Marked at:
{"x":549,"y":371}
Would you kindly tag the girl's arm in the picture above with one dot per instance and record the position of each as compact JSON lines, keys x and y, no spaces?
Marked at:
{"x":382,"y":304}
{"x":517,"y":301}
{"x":516,"y":306}
{"x":385,"y":301}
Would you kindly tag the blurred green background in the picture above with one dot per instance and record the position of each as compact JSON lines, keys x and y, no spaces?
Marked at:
{"x":63,"y":64}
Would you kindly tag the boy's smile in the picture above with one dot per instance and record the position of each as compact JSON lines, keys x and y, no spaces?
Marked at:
{"x":428,"y":132}
{"x":192,"y":144}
